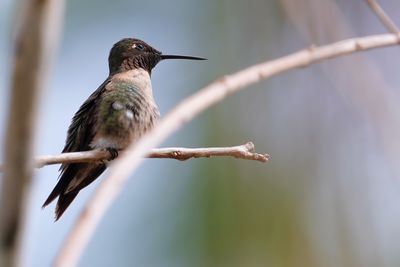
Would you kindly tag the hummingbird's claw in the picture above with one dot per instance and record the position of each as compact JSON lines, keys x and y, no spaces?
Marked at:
{"x":113,"y":152}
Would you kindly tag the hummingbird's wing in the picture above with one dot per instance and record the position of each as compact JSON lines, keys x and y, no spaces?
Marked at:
{"x":79,"y":136}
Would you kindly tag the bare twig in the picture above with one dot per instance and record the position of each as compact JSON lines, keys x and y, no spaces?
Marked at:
{"x":385,"y":19}
{"x":184,"y":112}
{"x":38,"y":24}
{"x":246,"y":151}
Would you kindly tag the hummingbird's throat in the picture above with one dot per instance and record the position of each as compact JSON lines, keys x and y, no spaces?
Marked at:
{"x":137,"y":79}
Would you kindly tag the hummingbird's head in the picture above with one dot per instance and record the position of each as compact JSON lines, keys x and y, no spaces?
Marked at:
{"x":132,"y":53}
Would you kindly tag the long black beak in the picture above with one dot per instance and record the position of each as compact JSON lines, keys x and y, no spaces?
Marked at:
{"x":181,"y":57}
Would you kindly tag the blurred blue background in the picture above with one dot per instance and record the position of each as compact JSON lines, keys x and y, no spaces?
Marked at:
{"x":329,"y":197}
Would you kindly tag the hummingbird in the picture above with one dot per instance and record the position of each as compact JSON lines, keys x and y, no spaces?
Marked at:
{"x":118,"y":113}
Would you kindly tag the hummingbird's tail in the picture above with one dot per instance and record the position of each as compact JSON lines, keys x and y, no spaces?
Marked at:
{"x":53,"y":195}
{"x":63,"y":203}
{"x":74,"y":177}
{"x":67,"y":175}
{"x":64,"y":199}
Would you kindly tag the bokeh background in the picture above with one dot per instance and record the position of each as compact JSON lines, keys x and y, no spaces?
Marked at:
{"x":330,"y":196}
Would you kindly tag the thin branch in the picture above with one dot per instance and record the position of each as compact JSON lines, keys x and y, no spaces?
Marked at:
{"x":37,"y":27}
{"x":245,"y":151}
{"x":385,"y":19}
{"x":184,"y":112}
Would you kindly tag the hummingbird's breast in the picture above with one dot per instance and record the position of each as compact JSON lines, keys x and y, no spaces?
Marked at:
{"x":126,"y":111}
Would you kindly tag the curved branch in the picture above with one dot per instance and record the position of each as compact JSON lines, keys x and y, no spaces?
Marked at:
{"x":245,"y":151}
{"x":184,"y":112}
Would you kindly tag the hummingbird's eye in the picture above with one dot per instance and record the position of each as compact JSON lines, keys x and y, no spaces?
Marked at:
{"x":138,"y":46}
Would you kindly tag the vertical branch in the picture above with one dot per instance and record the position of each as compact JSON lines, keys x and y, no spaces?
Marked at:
{"x":38,"y":25}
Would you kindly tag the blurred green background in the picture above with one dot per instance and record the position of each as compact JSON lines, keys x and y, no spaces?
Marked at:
{"x":330,"y":196}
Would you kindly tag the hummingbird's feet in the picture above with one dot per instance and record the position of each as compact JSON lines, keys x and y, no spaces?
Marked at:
{"x":113,"y":152}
